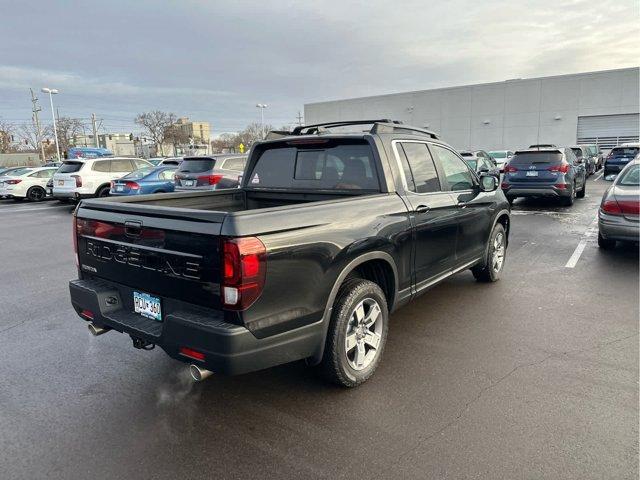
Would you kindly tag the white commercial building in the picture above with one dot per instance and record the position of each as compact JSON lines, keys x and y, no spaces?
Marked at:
{"x":595,"y":107}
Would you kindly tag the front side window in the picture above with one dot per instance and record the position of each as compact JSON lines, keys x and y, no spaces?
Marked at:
{"x":456,"y":172}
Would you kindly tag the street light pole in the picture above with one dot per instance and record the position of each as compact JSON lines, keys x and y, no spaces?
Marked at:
{"x":51,"y":92}
{"x":261,"y":106}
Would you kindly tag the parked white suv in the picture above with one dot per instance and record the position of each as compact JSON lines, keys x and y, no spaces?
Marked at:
{"x":29,"y":182}
{"x":91,"y":177}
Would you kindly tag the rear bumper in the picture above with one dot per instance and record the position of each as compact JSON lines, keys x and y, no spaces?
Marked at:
{"x":519,"y":190}
{"x":228,"y":348}
{"x":616,"y":227}
{"x":70,"y":194}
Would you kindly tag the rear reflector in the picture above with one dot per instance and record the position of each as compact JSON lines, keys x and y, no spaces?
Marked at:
{"x":504,"y":185}
{"x":87,"y":314}
{"x":191,"y":353}
{"x":561,"y":186}
{"x":510,"y":169}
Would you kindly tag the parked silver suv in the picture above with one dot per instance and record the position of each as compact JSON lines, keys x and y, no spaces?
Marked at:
{"x":210,"y":173}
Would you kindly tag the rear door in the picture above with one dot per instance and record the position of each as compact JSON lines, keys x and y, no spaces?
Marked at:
{"x":473,"y":214}
{"x":433,"y":213}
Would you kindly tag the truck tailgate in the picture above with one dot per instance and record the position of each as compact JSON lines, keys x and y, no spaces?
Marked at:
{"x":174,"y":255}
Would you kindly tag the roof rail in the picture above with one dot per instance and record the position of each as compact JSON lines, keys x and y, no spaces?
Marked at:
{"x":379,"y":126}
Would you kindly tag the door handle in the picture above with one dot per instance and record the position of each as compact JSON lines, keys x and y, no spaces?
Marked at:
{"x":422,"y":209}
{"x":461,"y":205}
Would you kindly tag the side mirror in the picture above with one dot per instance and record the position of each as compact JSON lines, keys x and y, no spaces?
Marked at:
{"x":488,"y":183}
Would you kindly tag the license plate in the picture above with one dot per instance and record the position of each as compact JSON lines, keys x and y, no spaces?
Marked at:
{"x":61,"y":183}
{"x":119,"y":188}
{"x":532,"y":173}
{"x":147,"y":306}
{"x":189,"y":183}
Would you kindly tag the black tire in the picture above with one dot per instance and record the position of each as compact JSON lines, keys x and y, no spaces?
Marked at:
{"x":335,"y":365}
{"x":103,"y":192}
{"x":36,"y":194}
{"x":487,"y":272}
{"x":605,"y":243}
{"x":583,"y":190}
{"x":568,"y":201}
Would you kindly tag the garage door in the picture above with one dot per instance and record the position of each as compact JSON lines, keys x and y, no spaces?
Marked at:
{"x":608,"y":130}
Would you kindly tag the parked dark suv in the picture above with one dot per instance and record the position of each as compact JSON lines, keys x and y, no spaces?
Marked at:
{"x":545,"y":172}
{"x":210,"y":173}
{"x":582,"y":153}
{"x":619,"y":157}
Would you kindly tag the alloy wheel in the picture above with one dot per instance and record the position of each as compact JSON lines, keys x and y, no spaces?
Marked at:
{"x":364,"y":333}
{"x":498,"y":252}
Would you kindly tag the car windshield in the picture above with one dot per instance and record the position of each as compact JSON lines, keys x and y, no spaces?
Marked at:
{"x":630,"y":178}
{"x":70,"y":167}
{"x":528,"y":158}
{"x":498,"y":154}
{"x":138,"y":174}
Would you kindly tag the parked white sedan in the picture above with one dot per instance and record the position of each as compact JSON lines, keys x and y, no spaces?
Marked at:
{"x":28,"y":183}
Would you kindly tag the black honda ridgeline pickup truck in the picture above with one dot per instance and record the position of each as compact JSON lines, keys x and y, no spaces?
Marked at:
{"x":334,"y":227}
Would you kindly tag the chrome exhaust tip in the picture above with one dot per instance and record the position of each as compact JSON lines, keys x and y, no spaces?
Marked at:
{"x":199,"y":374}
{"x":95,"y":330}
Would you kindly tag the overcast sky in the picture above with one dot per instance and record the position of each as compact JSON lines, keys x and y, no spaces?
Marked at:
{"x":215,"y":60}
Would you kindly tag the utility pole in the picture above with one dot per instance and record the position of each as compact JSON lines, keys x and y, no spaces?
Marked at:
{"x":95,"y":130}
{"x":299,"y":118}
{"x":36,"y":121}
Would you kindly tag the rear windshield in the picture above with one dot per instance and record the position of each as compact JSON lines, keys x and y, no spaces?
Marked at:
{"x":498,"y":154}
{"x":70,"y":167}
{"x":631,"y":177}
{"x":466,"y":154}
{"x":323,"y":166}
{"x":197,"y":165}
{"x":628,"y":152}
{"x":578,"y":152}
{"x":529,"y":158}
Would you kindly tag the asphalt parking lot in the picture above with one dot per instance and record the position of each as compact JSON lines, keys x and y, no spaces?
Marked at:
{"x":535,"y":376}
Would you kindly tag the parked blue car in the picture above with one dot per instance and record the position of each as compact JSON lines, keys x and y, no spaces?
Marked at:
{"x":145,"y":180}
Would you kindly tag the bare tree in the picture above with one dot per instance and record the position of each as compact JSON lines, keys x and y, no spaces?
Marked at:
{"x":226,"y":142}
{"x":67,"y":129}
{"x":156,"y":124}
{"x":176,"y":136}
{"x":7,"y":131}
{"x":28,"y":135}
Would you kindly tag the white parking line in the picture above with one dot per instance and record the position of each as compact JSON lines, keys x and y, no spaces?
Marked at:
{"x":598,"y":177}
{"x":590,"y":232}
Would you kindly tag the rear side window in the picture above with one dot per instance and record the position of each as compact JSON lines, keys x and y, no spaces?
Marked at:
{"x":121,"y":166}
{"x":197,"y":165}
{"x":420,"y":170}
{"x":456,"y":172}
{"x":234,"y":164}
{"x":529,"y":158}
{"x":70,"y":167}
{"x":102,"y":166}
{"x":326,"y":166}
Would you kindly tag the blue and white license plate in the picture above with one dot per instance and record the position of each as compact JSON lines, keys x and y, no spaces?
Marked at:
{"x":147,"y":305}
{"x":119,"y":188}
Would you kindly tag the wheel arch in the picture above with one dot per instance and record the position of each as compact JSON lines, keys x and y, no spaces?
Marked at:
{"x":101,"y":186}
{"x":357,"y":265}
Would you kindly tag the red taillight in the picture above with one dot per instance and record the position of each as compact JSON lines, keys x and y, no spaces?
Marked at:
{"x":611,"y":207}
{"x":629,"y":207}
{"x":562,"y":168}
{"x":243,"y":271}
{"x":132,"y":185}
{"x":210,"y":179}
{"x":112,"y":185}
{"x":191,"y":353}
{"x":13,"y":182}
{"x":561,"y":186}
{"x":78,"y":180}
{"x":510,"y":169}
{"x":88,"y":314}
